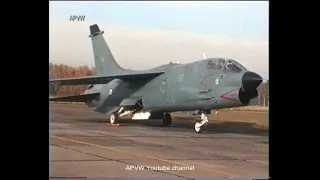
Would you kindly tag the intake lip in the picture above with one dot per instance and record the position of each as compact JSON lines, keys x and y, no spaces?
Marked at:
{"x":250,"y":81}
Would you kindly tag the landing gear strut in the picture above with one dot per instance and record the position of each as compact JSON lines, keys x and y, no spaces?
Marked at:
{"x":198,"y":126}
{"x":114,"y":118}
{"x":166,"y":119}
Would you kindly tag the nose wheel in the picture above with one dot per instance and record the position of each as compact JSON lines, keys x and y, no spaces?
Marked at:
{"x":199,"y":126}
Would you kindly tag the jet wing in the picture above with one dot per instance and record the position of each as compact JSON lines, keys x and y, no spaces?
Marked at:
{"x":78,"y":98}
{"x":131,"y":101}
{"x":104,"y":79}
{"x":107,"y":110}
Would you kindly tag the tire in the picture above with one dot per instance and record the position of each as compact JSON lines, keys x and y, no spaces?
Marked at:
{"x":166,"y":119}
{"x":114,"y":118}
{"x":197,"y":128}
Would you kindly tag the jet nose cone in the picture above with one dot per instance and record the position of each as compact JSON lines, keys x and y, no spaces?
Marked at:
{"x":250,"y":81}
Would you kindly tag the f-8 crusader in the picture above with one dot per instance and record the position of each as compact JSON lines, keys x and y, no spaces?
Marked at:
{"x":200,"y":86}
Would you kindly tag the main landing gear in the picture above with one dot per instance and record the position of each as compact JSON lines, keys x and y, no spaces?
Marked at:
{"x":166,"y":119}
{"x":114,"y":118}
{"x":198,"y":126}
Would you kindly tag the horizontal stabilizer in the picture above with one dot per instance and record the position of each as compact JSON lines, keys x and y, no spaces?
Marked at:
{"x":129,"y":101}
{"x":79,"y":98}
{"x":104,"y":79}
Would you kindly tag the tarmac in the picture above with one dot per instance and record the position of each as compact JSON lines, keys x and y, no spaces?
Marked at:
{"x":83,"y":145}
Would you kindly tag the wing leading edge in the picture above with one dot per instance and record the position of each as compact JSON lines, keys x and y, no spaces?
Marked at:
{"x":78,"y":98}
{"x":104,"y":79}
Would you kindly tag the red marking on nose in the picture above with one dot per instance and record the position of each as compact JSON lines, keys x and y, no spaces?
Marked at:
{"x":224,"y":96}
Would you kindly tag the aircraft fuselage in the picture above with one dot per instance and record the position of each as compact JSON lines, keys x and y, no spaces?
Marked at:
{"x":183,"y":87}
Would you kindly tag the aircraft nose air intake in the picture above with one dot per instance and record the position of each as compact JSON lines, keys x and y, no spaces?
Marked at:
{"x":250,"y":81}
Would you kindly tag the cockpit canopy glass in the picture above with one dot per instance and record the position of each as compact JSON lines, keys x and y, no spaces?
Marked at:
{"x":233,"y":66}
{"x":229,"y":65}
{"x":216,"y":63}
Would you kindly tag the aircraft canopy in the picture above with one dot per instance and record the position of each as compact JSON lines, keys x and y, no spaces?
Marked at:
{"x":229,"y":65}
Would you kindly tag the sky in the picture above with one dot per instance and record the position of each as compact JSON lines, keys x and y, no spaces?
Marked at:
{"x":145,"y":34}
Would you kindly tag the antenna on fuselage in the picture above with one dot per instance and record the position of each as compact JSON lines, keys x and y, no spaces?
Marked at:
{"x":204,"y":55}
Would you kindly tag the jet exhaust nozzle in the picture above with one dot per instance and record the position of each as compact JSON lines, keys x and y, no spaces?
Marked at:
{"x":251,"y":81}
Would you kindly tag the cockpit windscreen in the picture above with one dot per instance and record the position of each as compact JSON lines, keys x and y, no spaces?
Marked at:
{"x":216,"y":63}
{"x":233,"y":66}
{"x":229,"y":65}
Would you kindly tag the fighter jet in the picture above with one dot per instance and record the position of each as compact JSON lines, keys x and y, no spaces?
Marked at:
{"x":198,"y":87}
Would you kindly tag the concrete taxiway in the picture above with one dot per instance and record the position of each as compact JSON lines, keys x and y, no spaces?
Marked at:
{"x":82,"y":145}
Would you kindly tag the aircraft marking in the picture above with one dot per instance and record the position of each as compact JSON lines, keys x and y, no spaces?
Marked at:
{"x":144,"y":156}
{"x":224,"y":96}
{"x":180,"y":77}
{"x":162,"y":86}
{"x":217,"y":80}
{"x":205,"y":78}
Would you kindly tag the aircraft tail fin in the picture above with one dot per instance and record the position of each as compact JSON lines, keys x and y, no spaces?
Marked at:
{"x":105,"y":63}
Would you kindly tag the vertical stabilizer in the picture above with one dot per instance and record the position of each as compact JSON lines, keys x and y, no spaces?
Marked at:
{"x":105,"y":63}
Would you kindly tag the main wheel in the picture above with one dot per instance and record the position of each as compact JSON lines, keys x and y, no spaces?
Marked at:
{"x":114,"y":118}
{"x":166,"y":119}
{"x":198,"y":128}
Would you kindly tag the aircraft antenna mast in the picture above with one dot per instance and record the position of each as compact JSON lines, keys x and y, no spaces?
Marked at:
{"x":204,"y":55}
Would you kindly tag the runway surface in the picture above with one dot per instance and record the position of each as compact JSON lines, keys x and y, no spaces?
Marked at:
{"x":82,"y":145}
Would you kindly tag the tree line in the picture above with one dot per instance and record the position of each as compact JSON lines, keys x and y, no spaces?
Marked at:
{"x":64,"y":71}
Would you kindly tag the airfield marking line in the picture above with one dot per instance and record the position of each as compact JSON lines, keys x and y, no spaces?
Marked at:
{"x":144,"y":156}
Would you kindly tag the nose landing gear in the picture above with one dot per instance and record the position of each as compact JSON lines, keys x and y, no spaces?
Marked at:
{"x":198,"y":126}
